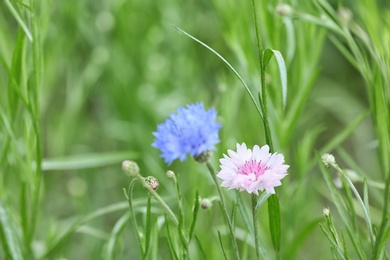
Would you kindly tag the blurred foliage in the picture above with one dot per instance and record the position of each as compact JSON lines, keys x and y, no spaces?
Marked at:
{"x":113,"y":70}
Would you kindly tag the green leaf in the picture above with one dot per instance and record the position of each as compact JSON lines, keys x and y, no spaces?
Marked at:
{"x":154,"y":241}
{"x":194,"y":215}
{"x":264,"y":196}
{"x":148,"y":229}
{"x":201,"y":249}
{"x":85,"y":161}
{"x":345,"y":246}
{"x":227,"y":63}
{"x":366,"y":212}
{"x":333,"y":243}
{"x":118,"y":229}
{"x":244,"y":214}
{"x":274,"y":221}
{"x":19,"y":19}
{"x":383,"y":241}
{"x":9,"y":235}
{"x":267,"y":55}
{"x":222,"y":247}
{"x":65,"y":235}
{"x":343,"y":212}
{"x":172,"y":250}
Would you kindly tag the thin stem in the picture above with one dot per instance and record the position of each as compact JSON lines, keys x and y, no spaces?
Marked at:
{"x":263,"y":97}
{"x":256,"y":233}
{"x":158,"y":198}
{"x":258,"y":34}
{"x":225,"y":212}
{"x":130,"y":200}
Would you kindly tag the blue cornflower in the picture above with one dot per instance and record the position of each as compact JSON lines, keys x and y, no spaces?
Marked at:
{"x":193,"y":130}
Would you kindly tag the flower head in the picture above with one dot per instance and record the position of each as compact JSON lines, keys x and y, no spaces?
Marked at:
{"x":328,"y":160}
{"x":252,"y":171}
{"x":193,"y":130}
{"x":152,"y":182}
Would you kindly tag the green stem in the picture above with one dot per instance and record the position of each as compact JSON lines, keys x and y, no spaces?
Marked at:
{"x":225,"y":212}
{"x":170,"y":212}
{"x":158,"y":198}
{"x":258,"y":34}
{"x":263,"y":98}
{"x":256,"y":233}
{"x":133,"y":220}
{"x":385,"y":220}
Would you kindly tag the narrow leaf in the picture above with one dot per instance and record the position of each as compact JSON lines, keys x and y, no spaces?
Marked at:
{"x":335,"y":246}
{"x":154,"y":241}
{"x":274,"y":221}
{"x":345,"y":246}
{"x":119,"y":227}
{"x":194,"y":215}
{"x":264,"y":196}
{"x":267,"y":55}
{"x":86,"y":161}
{"x":201,"y":250}
{"x":222,"y":247}
{"x":362,"y":204}
{"x":11,"y":242}
{"x":19,"y":19}
{"x":227,"y":63}
{"x":244,"y":213}
{"x":148,"y":229}
{"x":172,"y":250}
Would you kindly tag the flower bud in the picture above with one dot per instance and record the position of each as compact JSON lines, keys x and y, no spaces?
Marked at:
{"x":205,"y":203}
{"x":152,"y":181}
{"x":203,"y":157}
{"x":345,"y":15}
{"x":328,"y":160}
{"x":284,"y":10}
{"x":326,"y":212}
{"x":170,"y":174}
{"x":130,"y":168}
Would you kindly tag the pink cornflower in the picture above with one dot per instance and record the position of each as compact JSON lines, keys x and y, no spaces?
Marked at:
{"x":252,"y":171}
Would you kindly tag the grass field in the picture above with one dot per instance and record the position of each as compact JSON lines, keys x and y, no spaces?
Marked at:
{"x":84,"y":84}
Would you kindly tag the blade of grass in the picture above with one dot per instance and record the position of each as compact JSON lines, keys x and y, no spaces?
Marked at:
{"x":333,"y":243}
{"x":9,"y":235}
{"x":172,"y":250}
{"x":274,"y":221}
{"x":244,"y":213}
{"x":222,"y":247}
{"x":86,"y":161}
{"x":118,"y":229}
{"x":154,"y":241}
{"x":19,"y":19}
{"x":81,"y":221}
{"x":341,"y":208}
{"x":383,"y":232}
{"x":194,"y":215}
{"x":227,"y":63}
{"x":201,"y":250}
{"x":148,"y":229}
{"x":362,"y":204}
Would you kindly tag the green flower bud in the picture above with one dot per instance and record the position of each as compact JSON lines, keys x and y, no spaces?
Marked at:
{"x":130,"y":168}
{"x":203,"y":157}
